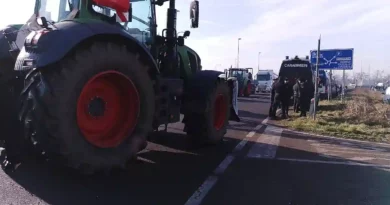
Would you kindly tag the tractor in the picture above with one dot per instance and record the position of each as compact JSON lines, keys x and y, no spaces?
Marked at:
{"x":100,"y":80}
{"x":244,"y":78}
{"x":11,"y":82}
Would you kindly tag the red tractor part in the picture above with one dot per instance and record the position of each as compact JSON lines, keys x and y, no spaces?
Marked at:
{"x":120,"y":6}
{"x":107,"y":109}
{"x":221,"y":107}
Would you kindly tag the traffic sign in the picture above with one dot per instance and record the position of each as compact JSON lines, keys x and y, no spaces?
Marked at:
{"x":333,"y":59}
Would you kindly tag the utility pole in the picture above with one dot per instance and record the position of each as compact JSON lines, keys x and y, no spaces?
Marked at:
{"x":316,"y":81}
{"x":238,"y":52}
{"x":369,"y":74}
{"x":258,"y":62}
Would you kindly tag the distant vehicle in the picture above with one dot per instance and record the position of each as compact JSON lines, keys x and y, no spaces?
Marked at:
{"x":351,"y":86}
{"x":386,"y":96}
{"x":295,"y":68}
{"x":244,"y":78}
{"x":264,"y":79}
{"x":324,"y":84}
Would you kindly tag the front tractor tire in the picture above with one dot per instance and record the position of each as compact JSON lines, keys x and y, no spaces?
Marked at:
{"x":210,"y":126}
{"x":92,"y":110}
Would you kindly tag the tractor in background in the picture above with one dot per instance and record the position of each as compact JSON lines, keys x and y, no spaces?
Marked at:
{"x":244,"y":78}
{"x":100,"y":80}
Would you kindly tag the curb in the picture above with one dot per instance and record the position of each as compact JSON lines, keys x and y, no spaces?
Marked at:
{"x":335,"y":138}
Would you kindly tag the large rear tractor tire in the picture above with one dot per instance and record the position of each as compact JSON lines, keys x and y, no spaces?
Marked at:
{"x":210,"y":127}
{"x":93,"y":110}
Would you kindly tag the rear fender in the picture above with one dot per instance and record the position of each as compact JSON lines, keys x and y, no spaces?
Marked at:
{"x":70,"y":35}
{"x":233,"y":84}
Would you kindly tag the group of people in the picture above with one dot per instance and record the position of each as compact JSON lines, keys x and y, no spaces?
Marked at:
{"x":282,"y":93}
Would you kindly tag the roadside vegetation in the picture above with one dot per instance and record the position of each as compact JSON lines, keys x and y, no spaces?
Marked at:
{"x":362,"y":116}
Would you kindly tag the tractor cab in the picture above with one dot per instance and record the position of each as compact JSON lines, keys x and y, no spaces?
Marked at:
{"x":244,"y":78}
{"x":240,"y":73}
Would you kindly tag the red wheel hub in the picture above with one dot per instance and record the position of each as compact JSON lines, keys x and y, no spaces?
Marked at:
{"x":220,"y":108}
{"x":107,"y":109}
{"x":249,"y":87}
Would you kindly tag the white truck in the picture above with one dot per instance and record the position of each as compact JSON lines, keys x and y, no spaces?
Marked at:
{"x":264,"y":80}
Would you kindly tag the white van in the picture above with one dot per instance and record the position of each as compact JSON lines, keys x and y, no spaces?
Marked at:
{"x":264,"y":79}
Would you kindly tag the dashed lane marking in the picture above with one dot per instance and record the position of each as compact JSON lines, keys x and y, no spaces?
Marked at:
{"x":198,"y":196}
{"x":267,"y":144}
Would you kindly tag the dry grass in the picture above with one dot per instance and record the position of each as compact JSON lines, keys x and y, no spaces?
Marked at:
{"x":362,"y":116}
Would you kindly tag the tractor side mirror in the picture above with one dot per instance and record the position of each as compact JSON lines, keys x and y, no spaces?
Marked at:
{"x":186,"y":34}
{"x":42,"y":21}
{"x":194,"y":14}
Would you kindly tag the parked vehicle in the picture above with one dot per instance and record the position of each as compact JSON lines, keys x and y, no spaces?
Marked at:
{"x":264,"y":80}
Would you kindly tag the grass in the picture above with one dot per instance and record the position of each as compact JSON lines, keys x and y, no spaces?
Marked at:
{"x":362,"y":116}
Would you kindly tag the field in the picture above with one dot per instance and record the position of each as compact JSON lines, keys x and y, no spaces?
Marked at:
{"x":362,"y":116}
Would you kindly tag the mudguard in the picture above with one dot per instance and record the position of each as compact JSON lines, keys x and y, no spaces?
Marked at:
{"x":198,"y":87}
{"x":55,"y":44}
{"x":234,"y":87}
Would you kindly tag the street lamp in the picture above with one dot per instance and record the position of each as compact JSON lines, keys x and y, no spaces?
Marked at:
{"x":258,"y":62}
{"x":238,"y":52}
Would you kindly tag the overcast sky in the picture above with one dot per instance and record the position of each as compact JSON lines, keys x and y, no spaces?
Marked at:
{"x":275,"y":28}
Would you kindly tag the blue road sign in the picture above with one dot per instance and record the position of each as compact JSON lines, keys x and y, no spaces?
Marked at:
{"x":333,"y":59}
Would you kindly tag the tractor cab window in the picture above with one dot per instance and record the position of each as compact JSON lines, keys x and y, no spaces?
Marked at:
{"x":236,"y":73}
{"x":55,"y":10}
{"x":142,"y":19}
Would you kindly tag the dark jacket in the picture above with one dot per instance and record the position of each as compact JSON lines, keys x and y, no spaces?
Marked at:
{"x":280,"y":90}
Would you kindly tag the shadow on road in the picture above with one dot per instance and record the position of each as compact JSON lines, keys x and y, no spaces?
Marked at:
{"x":166,"y":176}
{"x":299,"y":176}
{"x":167,"y":172}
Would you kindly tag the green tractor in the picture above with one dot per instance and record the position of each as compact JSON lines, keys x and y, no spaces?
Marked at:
{"x":100,"y":80}
{"x":244,"y":78}
{"x":11,"y":82}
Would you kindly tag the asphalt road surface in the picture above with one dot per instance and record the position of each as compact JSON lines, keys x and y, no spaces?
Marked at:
{"x":257,"y":163}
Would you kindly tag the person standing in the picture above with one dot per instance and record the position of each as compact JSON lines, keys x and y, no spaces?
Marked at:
{"x":306,"y":90}
{"x":296,"y":95}
{"x":276,"y":92}
{"x":285,"y":96}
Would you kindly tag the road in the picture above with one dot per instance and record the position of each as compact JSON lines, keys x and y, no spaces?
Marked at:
{"x":257,"y":163}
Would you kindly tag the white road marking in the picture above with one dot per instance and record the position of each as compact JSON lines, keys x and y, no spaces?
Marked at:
{"x":267,"y":144}
{"x":224,"y":165}
{"x":332,"y":162}
{"x":202,"y":191}
{"x":198,"y":196}
{"x":245,"y":140}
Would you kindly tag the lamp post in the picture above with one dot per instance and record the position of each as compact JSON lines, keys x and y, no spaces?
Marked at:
{"x":238,"y":52}
{"x":258,"y":62}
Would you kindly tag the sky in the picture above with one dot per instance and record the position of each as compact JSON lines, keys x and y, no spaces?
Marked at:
{"x":276,"y":28}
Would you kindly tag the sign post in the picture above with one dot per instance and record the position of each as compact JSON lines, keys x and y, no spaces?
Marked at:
{"x":330,"y":85}
{"x":316,"y":81}
{"x":333,"y":59}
